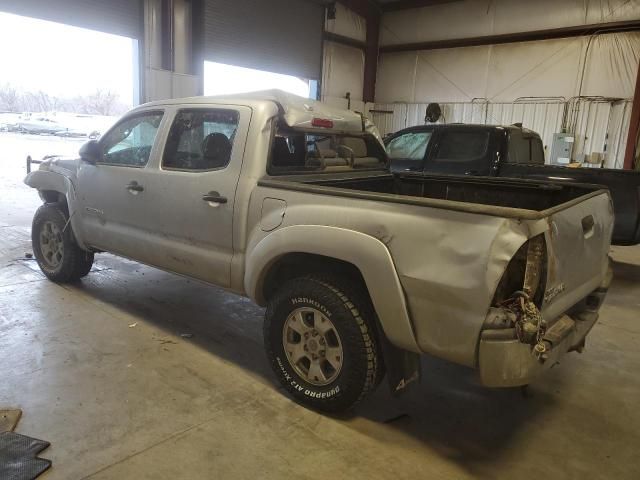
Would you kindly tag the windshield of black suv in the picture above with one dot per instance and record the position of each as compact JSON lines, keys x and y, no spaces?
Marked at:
{"x":295,"y":151}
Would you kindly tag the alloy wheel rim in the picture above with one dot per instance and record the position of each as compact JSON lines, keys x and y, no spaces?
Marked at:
{"x":312,"y":346}
{"x":51,"y":244}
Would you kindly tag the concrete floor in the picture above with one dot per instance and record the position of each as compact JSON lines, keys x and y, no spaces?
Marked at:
{"x":101,"y":371}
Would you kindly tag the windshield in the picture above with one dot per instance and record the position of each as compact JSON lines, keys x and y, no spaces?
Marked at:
{"x":298,"y":151}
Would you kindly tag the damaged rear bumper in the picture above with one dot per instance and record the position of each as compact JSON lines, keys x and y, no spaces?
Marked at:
{"x":504,"y":361}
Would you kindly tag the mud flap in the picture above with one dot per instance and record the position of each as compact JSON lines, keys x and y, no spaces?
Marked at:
{"x":403,"y":367}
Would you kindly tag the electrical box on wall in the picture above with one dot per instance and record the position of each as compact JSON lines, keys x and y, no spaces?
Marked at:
{"x":561,"y":148}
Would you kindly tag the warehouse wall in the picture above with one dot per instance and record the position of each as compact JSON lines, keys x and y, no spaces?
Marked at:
{"x":476,"y":18}
{"x":343,"y":66}
{"x":503,"y":78}
{"x":505,"y":72}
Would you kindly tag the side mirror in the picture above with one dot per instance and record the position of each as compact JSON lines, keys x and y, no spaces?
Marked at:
{"x":91,"y":152}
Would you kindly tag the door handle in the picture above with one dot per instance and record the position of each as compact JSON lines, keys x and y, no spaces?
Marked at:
{"x":135,"y":187}
{"x":471,"y":172}
{"x":214,"y":197}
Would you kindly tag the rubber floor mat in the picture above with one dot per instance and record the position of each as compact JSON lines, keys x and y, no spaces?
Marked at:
{"x":18,"y":457}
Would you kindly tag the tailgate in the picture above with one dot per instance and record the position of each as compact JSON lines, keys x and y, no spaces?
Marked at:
{"x":578,"y":244}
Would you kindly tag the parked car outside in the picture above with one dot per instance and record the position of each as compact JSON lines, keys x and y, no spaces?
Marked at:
{"x":40,"y":125}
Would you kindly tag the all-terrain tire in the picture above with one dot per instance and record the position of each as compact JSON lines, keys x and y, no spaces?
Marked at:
{"x":361,"y":358}
{"x":70,"y":262}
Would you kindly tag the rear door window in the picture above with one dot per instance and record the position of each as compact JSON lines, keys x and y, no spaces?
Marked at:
{"x":519,"y":148}
{"x":524,"y":149}
{"x":537,"y":151}
{"x":200,"y":139}
{"x":462,"y":146}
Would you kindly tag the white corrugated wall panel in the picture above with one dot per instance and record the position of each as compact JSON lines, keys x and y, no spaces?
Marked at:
{"x":476,"y":18}
{"x":618,"y":127}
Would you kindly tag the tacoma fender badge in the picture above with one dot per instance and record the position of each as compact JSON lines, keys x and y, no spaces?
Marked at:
{"x":553,"y":292}
{"x":94,"y":210}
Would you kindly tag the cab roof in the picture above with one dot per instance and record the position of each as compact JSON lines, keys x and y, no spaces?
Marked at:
{"x":470,"y":126}
{"x":296,"y":111}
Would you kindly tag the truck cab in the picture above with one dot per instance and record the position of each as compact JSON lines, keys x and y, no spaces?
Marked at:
{"x":460,"y":149}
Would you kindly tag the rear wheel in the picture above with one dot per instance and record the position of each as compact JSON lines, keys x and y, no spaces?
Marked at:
{"x":321,"y":344}
{"x":54,"y":247}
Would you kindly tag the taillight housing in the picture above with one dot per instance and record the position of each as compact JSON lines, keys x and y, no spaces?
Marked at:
{"x":515,"y":311}
{"x":526,"y":273}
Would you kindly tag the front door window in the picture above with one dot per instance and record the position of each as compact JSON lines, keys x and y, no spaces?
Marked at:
{"x":410,"y":146}
{"x":129,"y":143}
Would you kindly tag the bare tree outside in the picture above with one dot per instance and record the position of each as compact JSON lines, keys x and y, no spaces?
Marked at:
{"x":101,"y":102}
{"x":9,"y":98}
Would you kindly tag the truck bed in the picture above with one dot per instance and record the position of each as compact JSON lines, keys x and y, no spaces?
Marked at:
{"x":493,"y":196}
{"x":448,"y":235}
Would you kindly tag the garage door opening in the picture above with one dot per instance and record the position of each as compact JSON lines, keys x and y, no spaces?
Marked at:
{"x":60,"y":86}
{"x":223,"y":79}
{"x":51,"y":69}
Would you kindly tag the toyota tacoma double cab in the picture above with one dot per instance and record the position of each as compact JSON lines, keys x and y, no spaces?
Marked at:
{"x":291,"y":203}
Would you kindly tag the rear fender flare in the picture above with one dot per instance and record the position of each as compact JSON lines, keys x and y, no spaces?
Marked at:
{"x":368,"y":254}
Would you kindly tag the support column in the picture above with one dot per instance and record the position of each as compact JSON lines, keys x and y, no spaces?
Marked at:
{"x":198,"y":49}
{"x":371,"y":56}
{"x":634,"y":127}
{"x":371,"y":12}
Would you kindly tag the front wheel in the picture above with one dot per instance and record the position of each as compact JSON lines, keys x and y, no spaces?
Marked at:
{"x":54,"y":247}
{"x":320,"y":340}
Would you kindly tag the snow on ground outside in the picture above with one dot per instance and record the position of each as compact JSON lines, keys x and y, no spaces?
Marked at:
{"x":73,"y":121}
{"x":14,"y":148}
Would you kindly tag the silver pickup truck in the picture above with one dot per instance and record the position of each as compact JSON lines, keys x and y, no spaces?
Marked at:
{"x":291,"y":203}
